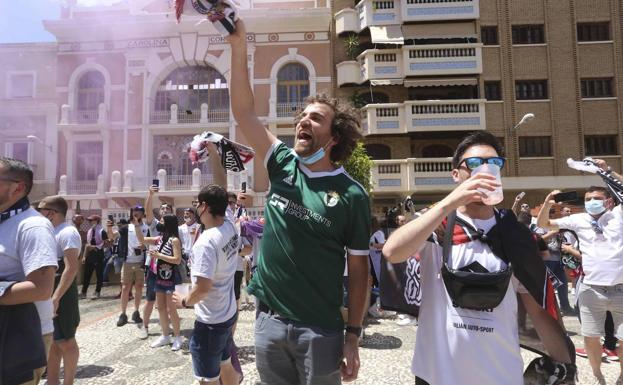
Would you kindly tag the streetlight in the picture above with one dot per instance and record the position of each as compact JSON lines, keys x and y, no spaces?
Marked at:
{"x":525,"y":119}
{"x":34,"y":138}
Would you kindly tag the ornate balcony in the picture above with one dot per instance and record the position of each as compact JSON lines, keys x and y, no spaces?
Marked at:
{"x":425,"y":115}
{"x":70,"y":115}
{"x":411,"y":61}
{"x":372,"y":13}
{"x":412,"y":175}
{"x":421,"y":60}
{"x":175,"y":115}
{"x":428,"y":10}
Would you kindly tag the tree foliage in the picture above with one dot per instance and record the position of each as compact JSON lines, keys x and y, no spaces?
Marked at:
{"x":359,"y":166}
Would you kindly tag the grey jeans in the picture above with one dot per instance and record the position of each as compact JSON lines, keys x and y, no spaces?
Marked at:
{"x":290,"y":353}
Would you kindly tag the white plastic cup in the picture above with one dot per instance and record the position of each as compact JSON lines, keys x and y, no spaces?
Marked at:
{"x":182,"y":289}
{"x":492,"y":197}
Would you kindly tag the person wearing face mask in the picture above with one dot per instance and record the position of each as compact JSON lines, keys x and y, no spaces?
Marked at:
{"x":600,"y":288}
{"x":315,"y":212}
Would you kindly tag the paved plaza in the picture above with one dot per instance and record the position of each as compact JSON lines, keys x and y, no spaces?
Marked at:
{"x":115,"y":355}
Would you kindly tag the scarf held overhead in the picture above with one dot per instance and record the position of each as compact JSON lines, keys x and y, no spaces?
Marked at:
{"x":233,"y":155}
{"x":222,"y":13}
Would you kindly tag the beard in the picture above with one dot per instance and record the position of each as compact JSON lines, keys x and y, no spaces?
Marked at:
{"x":306,"y":149}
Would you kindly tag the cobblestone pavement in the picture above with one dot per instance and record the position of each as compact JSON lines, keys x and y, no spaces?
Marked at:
{"x":115,"y":355}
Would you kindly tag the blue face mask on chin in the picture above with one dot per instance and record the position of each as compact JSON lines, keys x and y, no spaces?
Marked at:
{"x":594,"y":206}
{"x":313,"y":158}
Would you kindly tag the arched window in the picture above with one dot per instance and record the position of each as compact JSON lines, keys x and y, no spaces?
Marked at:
{"x":292,"y":88}
{"x":378,"y":151}
{"x":90,"y":94}
{"x":165,"y":162}
{"x":189,"y":88}
{"x":437,"y":151}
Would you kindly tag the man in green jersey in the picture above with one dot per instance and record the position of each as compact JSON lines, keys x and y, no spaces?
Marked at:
{"x":315,"y":215}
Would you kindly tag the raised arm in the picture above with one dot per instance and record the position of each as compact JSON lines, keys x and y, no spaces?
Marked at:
{"x":242,"y":103}
{"x":543,"y":218}
{"x":149,"y":211}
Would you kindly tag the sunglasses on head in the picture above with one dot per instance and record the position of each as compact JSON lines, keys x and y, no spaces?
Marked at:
{"x":476,"y":161}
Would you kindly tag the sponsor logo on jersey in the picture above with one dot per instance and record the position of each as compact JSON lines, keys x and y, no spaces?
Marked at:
{"x":279,"y":201}
{"x":298,"y":210}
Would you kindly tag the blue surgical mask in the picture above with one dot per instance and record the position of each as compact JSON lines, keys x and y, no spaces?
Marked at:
{"x":313,"y":158}
{"x":594,"y":206}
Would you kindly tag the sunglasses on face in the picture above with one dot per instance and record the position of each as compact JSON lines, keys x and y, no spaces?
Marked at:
{"x":476,"y":161}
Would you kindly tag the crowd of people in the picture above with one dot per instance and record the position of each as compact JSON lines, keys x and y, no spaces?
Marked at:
{"x":476,"y":266}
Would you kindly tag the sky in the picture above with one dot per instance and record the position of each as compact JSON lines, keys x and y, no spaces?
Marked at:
{"x":20,"y":21}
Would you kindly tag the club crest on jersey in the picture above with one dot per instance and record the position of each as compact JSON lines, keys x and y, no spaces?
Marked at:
{"x":331,"y":198}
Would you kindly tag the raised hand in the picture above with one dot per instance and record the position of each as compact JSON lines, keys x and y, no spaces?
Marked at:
{"x":469,"y":191}
{"x":239,"y":36}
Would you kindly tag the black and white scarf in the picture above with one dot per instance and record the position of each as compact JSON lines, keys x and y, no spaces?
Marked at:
{"x":20,"y":206}
{"x":233,"y":155}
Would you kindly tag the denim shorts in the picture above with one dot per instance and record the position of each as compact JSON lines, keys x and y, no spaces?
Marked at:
{"x":210,"y":347}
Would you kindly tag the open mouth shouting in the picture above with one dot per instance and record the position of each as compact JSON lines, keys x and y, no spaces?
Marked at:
{"x":304,"y":138}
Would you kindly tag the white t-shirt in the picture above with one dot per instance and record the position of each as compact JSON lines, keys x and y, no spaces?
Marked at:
{"x":460,"y":346}
{"x":602,"y":254}
{"x":67,"y":237}
{"x":133,"y":243}
{"x":27,"y":244}
{"x":375,"y":254}
{"x":187,"y":236}
{"x":215,"y":257}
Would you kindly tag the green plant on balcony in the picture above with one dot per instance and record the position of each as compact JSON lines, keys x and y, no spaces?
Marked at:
{"x":359,"y":166}
{"x":352,"y":46}
{"x":357,"y":100}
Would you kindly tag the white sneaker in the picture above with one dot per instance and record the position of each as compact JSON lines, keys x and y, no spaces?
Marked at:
{"x":374,"y":311}
{"x":161,"y":341}
{"x":177,"y":343}
{"x":143,"y":332}
{"x":406,"y":321}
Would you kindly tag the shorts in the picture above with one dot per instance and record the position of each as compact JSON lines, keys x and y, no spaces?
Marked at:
{"x":237,"y":283}
{"x":210,"y":347}
{"x":167,"y":289}
{"x":594,"y":302}
{"x":38,"y":373}
{"x":132,"y":272}
{"x":150,"y":289}
{"x":68,"y":315}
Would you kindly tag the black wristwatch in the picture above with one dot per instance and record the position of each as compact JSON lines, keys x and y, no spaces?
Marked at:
{"x":356,"y":330}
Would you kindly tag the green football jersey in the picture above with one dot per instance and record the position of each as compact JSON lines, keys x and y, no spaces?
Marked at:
{"x":313,"y":219}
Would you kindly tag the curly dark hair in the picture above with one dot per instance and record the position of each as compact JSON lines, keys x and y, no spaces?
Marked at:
{"x":345,"y":127}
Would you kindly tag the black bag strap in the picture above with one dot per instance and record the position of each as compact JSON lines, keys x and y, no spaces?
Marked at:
{"x":447,"y":236}
{"x":449,"y":233}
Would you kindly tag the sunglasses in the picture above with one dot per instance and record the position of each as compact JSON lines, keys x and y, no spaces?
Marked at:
{"x":476,"y":161}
